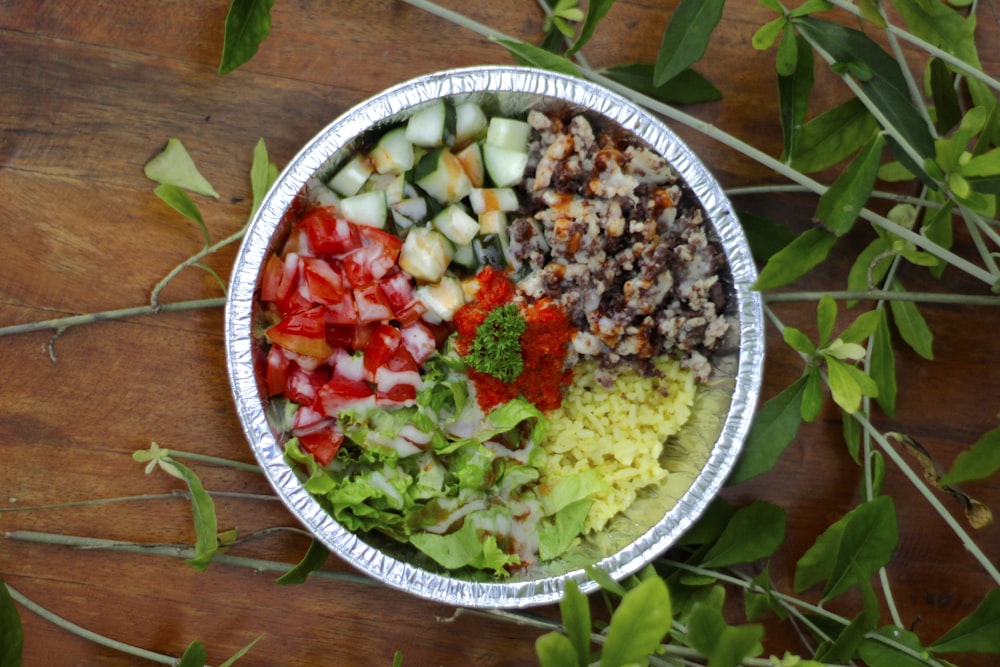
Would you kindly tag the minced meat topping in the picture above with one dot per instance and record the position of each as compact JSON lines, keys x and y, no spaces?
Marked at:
{"x":607,"y":235}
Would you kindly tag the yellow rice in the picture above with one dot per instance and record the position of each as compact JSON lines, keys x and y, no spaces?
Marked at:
{"x":619,"y":430}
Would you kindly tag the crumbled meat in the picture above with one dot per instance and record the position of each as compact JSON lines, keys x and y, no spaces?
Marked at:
{"x":608,"y":236}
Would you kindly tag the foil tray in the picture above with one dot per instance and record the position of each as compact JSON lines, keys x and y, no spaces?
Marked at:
{"x":700,"y":457}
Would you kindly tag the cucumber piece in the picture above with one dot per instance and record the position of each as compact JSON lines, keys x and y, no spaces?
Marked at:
{"x":471,"y":158}
{"x":367,"y":208}
{"x":426,"y":254}
{"x":409,"y":212}
{"x":489,"y":251}
{"x":321,"y":194}
{"x":508,"y":133}
{"x":434,"y":125}
{"x":493,"y":222}
{"x":440,"y":174}
{"x":390,"y":184}
{"x":466,"y":256}
{"x":442,"y":299}
{"x":470,"y":123}
{"x":493,"y":199}
{"x":456,"y":224}
{"x":352,"y":176}
{"x":393,"y":154}
{"x":505,"y":166}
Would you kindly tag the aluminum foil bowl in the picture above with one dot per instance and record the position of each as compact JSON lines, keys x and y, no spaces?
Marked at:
{"x":700,"y":458}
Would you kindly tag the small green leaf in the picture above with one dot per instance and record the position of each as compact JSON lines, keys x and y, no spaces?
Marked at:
{"x":174,"y":166}
{"x":787,"y":58}
{"x":248,"y":24}
{"x":812,"y":397}
{"x":639,"y":624}
{"x":942,"y":26}
{"x":179,"y":200}
{"x":758,"y":603}
{"x":767,"y":34}
{"x":705,"y":626}
{"x":533,"y":56}
{"x":793,"y":97}
{"x":832,"y":136}
{"x":736,"y":643}
{"x":841,"y":204}
{"x":867,"y":543}
{"x":773,"y":5}
{"x":774,"y":426}
{"x":978,"y":462}
{"x":843,"y":385}
{"x":314,"y":558}
{"x":862,"y":327}
{"x":596,"y":10}
{"x":796,"y":259}
{"x":754,"y":532}
{"x":883,"y":365}
{"x":766,"y":237}
{"x":852,"y":435}
{"x":810,"y":7}
{"x":869,"y":11}
{"x":554,"y":649}
{"x":574,"y":609}
{"x":605,"y":581}
{"x":194,"y":656}
{"x":947,"y":109}
{"x":816,"y":563}
{"x":877,"y":653}
{"x":686,"y":38}
{"x":263,"y":174}
{"x":845,"y":646}
{"x":877,"y":464}
{"x":826,"y":317}
{"x":205,"y":522}
{"x":798,"y":341}
{"x":978,"y":632}
{"x":688,"y":87}
{"x":710,"y":525}
{"x":11,"y":631}
{"x":242,"y":652}
{"x":911,"y":324}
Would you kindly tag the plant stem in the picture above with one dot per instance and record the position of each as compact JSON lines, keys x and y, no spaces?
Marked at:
{"x":154,"y":297}
{"x":885,"y":295}
{"x":789,"y":188}
{"x":62,"y":323}
{"x":214,"y":460}
{"x":89,"y":635}
{"x":178,"y":493}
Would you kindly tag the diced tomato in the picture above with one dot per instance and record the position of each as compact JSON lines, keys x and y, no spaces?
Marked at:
{"x":385,"y":339}
{"x":303,"y":333}
{"x":277,"y":370}
{"x":372,"y":304}
{"x":328,"y":233}
{"x":298,"y":242}
{"x":362,"y":336}
{"x":398,"y":288}
{"x":308,"y":420}
{"x":323,"y":445}
{"x":303,"y":386}
{"x":369,"y":263}
{"x":349,"y":366}
{"x":340,"y":336}
{"x":419,"y":340}
{"x":339,"y":394}
{"x":326,"y":285}
{"x":373,"y":235}
{"x":342,"y":312}
{"x":401,"y":360}
{"x":397,"y":386}
{"x":402,"y":395}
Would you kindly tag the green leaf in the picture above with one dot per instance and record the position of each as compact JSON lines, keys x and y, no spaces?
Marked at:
{"x":877,"y":653}
{"x":911,"y":324}
{"x":314,"y":558}
{"x":263,"y":174}
{"x":174,"y":166}
{"x":845,"y":646}
{"x":605,"y":581}
{"x":866,"y":544}
{"x":826,"y":317}
{"x":768,"y":34}
{"x":886,"y":87}
{"x":710,"y":525}
{"x":810,"y":7}
{"x":796,"y":259}
{"x":574,"y":609}
{"x":596,"y":10}
{"x":793,"y":98}
{"x":869,"y":11}
{"x":754,"y":532}
{"x":688,"y":87}
{"x":877,"y":463}
{"x":842,"y":202}
{"x":947,"y":109}
{"x":812,"y":397}
{"x":798,"y":340}
{"x":639,"y":624}
{"x":848,"y":384}
{"x":242,"y":652}
{"x":11,"y":632}
{"x":766,"y":237}
{"x":686,"y":38}
{"x":205,"y":523}
{"x":787,"y":59}
{"x":774,"y":426}
{"x":533,"y":56}
{"x":773,"y":5}
{"x":758,"y":603}
{"x":862,"y":327}
{"x":179,"y":200}
{"x":883,"y":365}
{"x":736,"y":643}
{"x":852,"y":435}
{"x":833,"y":135}
{"x":978,"y":462}
{"x":935,"y":22}
{"x":979,"y":632}
{"x":248,"y":24}
{"x":194,"y":656}
{"x":816,"y":563}
{"x":554,"y":649}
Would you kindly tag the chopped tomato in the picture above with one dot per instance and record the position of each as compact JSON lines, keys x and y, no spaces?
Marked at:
{"x":308,"y":420}
{"x":340,"y":336}
{"x":277,"y":370}
{"x":280,"y":284}
{"x":303,"y":386}
{"x":362,"y":336}
{"x":397,"y":386}
{"x":342,"y":312}
{"x":328,"y":233}
{"x":326,"y":285}
{"x":419,"y":340}
{"x":401,"y":360}
{"x":340,"y":393}
{"x":372,"y":304}
{"x":399,"y":395}
{"x":323,"y":445}
{"x":303,"y":333}
{"x":369,"y":263}
{"x":398,"y":288}
{"x":373,"y":235}
{"x":384,"y":342}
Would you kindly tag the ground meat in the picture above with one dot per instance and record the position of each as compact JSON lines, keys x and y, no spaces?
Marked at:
{"x":608,"y":235}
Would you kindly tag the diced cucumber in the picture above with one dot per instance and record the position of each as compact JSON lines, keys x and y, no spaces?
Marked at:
{"x":493,"y":222}
{"x":321,"y":194}
{"x":504,"y":165}
{"x":508,"y":133}
{"x":426,"y":254}
{"x":456,"y":224}
{"x":433,"y":125}
{"x":493,"y":199}
{"x":471,"y":158}
{"x":465,"y":256}
{"x":393,"y":154}
{"x":352,"y":176}
{"x":470,"y":123}
{"x":440,"y":174}
{"x":442,"y":299}
{"x":390,"y":184}
{"x":410,"y":211}
{"x":367,"y":208}
{"x":489,"y":251}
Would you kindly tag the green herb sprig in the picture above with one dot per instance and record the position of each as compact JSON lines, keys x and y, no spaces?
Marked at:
{"x":496,"y":349}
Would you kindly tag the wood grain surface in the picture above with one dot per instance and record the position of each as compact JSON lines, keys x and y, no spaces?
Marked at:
{"x":91,"y":90}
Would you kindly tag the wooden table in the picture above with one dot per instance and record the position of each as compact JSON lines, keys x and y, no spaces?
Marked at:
{"x":89,"y":92}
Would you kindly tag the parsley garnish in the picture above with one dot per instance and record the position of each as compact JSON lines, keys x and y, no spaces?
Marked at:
{"x":496,"y":349}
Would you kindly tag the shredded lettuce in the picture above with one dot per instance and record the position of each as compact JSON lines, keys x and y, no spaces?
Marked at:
{"x":466,"y":548}
{"x":561,"y":531}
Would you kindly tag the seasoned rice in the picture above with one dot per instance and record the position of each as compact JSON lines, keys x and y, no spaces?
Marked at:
{"x":619,"y":430}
